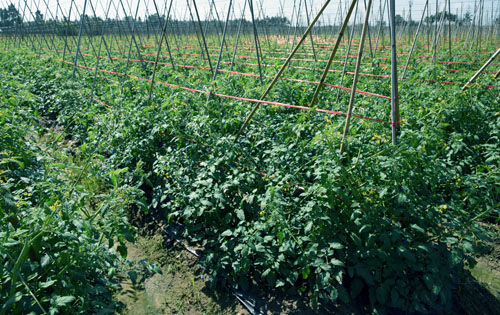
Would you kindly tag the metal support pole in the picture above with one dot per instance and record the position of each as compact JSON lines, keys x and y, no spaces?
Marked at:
{"x":449,"y":29}
{"x":394,"y":78}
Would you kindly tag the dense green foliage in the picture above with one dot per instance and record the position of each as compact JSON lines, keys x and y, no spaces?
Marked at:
{"x":280,"y":206}
{"x":59,"y":218}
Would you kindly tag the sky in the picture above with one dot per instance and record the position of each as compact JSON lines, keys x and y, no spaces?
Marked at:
{"x":287,"y":8}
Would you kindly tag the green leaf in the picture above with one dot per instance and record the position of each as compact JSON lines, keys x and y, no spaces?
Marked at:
{"x":336,"y":262}
{"x":335,"y":245}
{"x":63,"y":300}
{"x":305,"y":272}
{"x":240,"y":214}
{"x":206,"y":202}
{"x":268,"y":238}
{"x":334,"y":294}
{"x":122,"y":249}
{"x":133,"y":276}
{"x":417,"y":228}
{"x":468,"y":247}
{"x":451,"y":240}
{"x":308,"y":227}
{"x":46,"y":284}
{"x":45,"y":260}
{"x":395,"y":300}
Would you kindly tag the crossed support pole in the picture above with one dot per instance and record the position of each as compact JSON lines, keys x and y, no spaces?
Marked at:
{"x":282,"y":69}
{"x":394,"y":76}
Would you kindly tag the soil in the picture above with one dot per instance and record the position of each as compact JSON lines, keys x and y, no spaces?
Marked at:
{"x":487,"y":270}
{"x":181,"y":288}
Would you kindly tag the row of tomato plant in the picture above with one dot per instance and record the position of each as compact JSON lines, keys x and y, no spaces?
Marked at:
{"x":63,"y":226}
{"x":395,"y":225}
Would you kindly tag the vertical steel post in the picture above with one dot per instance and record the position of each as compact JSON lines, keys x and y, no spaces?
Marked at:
{"x":449,"y":29}
{"x":394,"y":77}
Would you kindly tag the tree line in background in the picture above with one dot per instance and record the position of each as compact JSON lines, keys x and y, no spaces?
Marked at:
{"x":11,"y":19}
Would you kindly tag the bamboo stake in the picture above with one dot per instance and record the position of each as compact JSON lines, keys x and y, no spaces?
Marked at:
{"x":348,"y":50}
{"x":238,"y":35}
{"x":380,"y":26}
{"x":202,"y":55}
{"x":438,"y":33}
{"x":310,"y":34}
{"x":481,"y":69}
{"x":98,"y":56}
{"x":416,"y":38}
{"x":276,"y":77}
{"x":255,"y":37}
{"x":369,"y":36}
{"x":103,"y":39}
{"x":132,"y":40}
{"x":356,"y":75}
{"x":21,"y":37}
{"x":290,"y":27}
{"x":164,"y":29}
{"x":334,"y":51}
{"x":223,"y":40}
{"x":67,"y":25}
{"x":202,"y":35}
{"x":297,"y":16}
{"x":79,"y":40}
{"x":162,"y":36}
{"x":220,"y":50}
